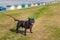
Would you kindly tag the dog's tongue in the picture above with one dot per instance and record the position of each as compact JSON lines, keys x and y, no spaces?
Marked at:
{"x":32,"y":23}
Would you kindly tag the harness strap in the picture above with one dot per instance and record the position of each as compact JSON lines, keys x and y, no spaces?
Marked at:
{"x":30,"y":27}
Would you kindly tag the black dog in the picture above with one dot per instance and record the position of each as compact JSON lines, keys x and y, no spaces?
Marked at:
{"x":25,"y":24}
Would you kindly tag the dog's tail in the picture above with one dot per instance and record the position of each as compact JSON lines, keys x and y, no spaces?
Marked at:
{"x":16,"y":19}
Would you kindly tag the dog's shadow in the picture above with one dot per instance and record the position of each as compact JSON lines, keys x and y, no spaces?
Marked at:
{"x":20,"y":31}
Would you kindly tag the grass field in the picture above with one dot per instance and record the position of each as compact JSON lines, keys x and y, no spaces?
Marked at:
{"x":46,"y":27}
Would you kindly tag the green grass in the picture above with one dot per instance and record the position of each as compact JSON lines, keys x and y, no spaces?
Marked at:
{"x":40,"y":11}
{"x":46,"y":13}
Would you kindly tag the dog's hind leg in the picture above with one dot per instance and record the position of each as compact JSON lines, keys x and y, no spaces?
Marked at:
{"x":17,"y":28}
{"x":25,"y":31}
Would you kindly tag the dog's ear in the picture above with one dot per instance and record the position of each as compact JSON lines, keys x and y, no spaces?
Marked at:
{"x":28,"y":17}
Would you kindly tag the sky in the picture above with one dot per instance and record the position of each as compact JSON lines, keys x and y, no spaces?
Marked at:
{"x":11,"y":2}
{"x":28,"y":0}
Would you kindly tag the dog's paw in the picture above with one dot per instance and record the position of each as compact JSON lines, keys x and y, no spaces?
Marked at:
{"x":31,"y":32}
{"x":17,"y":31}
{"x":24,"y":34}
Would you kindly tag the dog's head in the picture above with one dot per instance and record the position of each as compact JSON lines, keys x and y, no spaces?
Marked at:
{"x":31,"y":21}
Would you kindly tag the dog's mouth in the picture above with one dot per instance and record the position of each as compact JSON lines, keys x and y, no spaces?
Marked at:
{"x":32,"y":23}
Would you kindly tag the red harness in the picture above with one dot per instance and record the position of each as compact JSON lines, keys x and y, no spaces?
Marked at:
{"x":30,"y":27}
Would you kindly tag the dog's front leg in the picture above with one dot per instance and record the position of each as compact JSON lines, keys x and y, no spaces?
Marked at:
{"x":31,"y":31}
